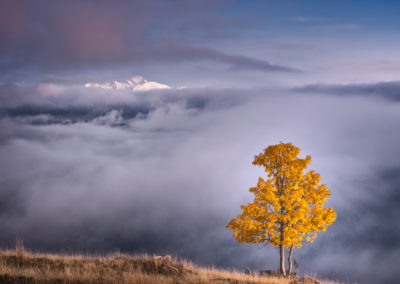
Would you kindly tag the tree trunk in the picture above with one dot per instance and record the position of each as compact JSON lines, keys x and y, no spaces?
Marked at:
{"x":290,"y":260}
{"x":279,"y":184}
{"x":282,"y":260}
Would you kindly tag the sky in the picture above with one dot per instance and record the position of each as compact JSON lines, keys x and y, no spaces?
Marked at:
{"x":132,"y":126}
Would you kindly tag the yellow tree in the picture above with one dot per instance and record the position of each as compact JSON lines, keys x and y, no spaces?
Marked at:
{"x":288,"y":205}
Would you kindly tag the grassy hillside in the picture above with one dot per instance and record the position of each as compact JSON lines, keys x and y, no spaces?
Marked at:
{"x":20,"y":266}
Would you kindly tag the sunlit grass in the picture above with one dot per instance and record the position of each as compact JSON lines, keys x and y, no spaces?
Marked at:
{"x":22,"y":266}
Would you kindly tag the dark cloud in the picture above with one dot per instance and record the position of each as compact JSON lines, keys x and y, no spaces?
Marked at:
{"x":238,"y":62}
{"x":46,"y":36}
{"x":387,"y":90}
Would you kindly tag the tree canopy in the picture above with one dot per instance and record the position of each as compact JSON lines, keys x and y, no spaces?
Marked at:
{"x":288,"y":206}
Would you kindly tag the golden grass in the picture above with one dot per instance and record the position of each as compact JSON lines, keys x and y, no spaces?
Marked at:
{"x":20,"y":266}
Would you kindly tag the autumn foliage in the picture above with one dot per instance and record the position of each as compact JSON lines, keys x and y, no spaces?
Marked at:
{"x":288,"y":206}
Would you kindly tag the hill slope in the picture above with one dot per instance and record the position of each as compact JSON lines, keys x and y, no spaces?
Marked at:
{"x":22,"y":267}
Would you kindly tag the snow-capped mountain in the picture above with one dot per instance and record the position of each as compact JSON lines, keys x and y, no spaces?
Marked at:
{"x":137,"y":83}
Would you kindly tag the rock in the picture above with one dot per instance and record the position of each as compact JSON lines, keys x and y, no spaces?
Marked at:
{"x":167,"y":257}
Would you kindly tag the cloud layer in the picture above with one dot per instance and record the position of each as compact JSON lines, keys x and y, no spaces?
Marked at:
{"x":166,"y":170}
{"x":389,"y":90}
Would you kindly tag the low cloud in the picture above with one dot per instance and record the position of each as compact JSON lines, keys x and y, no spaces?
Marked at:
{"x":301,"y":19}
{"x":165,"y":172}
{"x":111,"y":118}
{"x":387,"y":90}
{"x":336,"y":27}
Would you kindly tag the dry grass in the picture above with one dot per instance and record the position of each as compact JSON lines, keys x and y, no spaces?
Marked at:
{"x":20,"y":266}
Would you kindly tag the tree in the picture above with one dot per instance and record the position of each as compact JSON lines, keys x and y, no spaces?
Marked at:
{"x":288,"y":205}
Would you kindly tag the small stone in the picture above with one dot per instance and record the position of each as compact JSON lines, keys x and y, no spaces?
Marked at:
{"x":167,"y":257}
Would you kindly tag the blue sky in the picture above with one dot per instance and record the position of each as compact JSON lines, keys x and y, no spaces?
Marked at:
{"x":132,"y":125}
